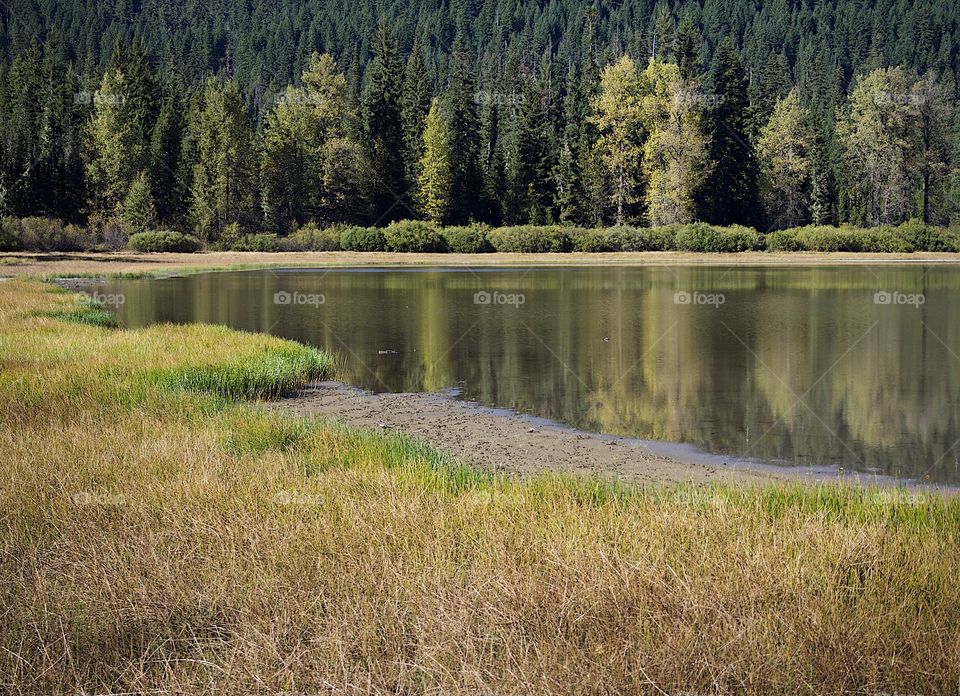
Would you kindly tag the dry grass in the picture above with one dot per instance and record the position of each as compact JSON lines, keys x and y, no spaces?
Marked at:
{"x":154,"y":539}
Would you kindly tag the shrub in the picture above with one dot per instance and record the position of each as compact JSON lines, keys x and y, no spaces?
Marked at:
{"x":702,"y":237}
{"x":363,"y":239}
{"x":642,"y":238}
{"x":592,"y":240}
{"x":467,"y":239}
{"x":923,"y":237}
{"x":163,"y":241}
{"x":413,"y":236}
{"x":783,"y":240}
{"x":256,"y":242}
{"x":312,"y":238}
{"x":10,"y":234}
{"x":530,"y":239}
{"x":109,"y":232}
{"x":46,"y":234}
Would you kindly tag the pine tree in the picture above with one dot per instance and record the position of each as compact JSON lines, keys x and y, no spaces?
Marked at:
{"x":383,"y":131}
{"x":463,"y":123}
{"x":435,"y":182}
{"x":139,"y":210}
{"x":688,"y":49}
{"x":415,"y":104}
{"x":535,"y":150}
{"x":730,"y":195}
{"x":165,"y":144}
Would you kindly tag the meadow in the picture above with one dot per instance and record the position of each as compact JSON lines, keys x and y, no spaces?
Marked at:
{"x":161,"y":532}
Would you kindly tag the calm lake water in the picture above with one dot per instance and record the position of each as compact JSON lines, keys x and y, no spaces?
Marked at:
{"x":839,"y":366}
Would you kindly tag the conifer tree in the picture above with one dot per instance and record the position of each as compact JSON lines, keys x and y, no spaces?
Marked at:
{"x":383,"y":131}
{"x":730,"y":195}
{"x":463,"y":124}
{"x":415,"y":103}
{"x":435,"y":181}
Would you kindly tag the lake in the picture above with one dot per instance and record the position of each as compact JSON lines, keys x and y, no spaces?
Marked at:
{"x":841,"y":366}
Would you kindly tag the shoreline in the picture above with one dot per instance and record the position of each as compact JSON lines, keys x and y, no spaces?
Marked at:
{"x":118,"y":264}
{"x":500,"y":440}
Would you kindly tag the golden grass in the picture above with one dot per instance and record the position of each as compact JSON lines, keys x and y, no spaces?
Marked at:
{"x":156,"y":539}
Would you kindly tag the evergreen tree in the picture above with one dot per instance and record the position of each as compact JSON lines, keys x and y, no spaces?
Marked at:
{"x":730,"y":195}
{"x":296,"y":146}
{"x":139,"y":210}
{"x":415,"y":103}
{"x":535,"y":150}
{"x":116,"y":147}
{"x":383,"y":131}
{"x":434,"y":184}
{"x":463,"y":124}
{"x":165,"y":144}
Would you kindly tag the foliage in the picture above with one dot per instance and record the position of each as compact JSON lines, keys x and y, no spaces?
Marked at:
{"x":163,"y":241}
{"x":591,"y":240}
{"x":706,"y":238}
{"x":413,"y":236}
{"x":312,"y":238}
{"x":435,"y":179}
{"x":642,"y":238}
{"x":257,"y":242}
{"x":45,"y":234}
{"x":363,"y":239}
{"x":467,"y":239}
{"x":784,"y":150}
{"x":530,"y":239}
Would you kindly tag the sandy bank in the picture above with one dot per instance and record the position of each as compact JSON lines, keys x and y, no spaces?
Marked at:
{"x":46,"y":264}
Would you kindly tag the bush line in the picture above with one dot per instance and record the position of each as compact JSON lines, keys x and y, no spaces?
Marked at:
{"x":415,"y":236}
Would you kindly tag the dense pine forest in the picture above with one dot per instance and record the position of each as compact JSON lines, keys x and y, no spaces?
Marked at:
{"x":225,"y":118}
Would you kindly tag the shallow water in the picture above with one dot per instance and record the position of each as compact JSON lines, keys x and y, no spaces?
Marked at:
{"x":851,"y":367}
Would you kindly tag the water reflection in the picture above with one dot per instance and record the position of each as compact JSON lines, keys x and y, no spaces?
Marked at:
{"x":800,"y":366}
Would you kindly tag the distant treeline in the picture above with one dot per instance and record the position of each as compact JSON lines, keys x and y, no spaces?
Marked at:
{"x":641,"y":115}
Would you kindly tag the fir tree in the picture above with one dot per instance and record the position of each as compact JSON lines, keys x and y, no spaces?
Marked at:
{"x":730,"y":195}
{"x":383,"y":131}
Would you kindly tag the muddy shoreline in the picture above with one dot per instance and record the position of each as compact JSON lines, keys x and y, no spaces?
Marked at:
{"x":507,"y":442}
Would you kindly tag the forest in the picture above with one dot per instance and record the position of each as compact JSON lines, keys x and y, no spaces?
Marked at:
{"x":224,"y":119}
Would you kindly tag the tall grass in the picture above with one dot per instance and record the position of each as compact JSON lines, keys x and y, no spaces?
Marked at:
{"x":159,"y":539}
